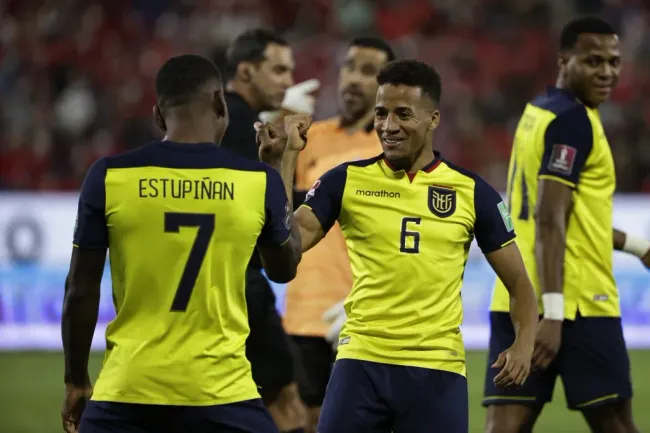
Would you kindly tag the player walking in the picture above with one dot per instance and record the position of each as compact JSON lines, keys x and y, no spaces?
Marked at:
{"x":561,"y":186}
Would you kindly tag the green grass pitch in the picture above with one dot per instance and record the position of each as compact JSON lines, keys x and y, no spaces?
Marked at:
{"x":31,"y":392}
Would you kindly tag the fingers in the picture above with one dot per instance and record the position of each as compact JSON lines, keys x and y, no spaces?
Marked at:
{"x":542,"y":356}
{"x":514,"y":372}
{"x":501,"y":361}
{"x":262,"y":131}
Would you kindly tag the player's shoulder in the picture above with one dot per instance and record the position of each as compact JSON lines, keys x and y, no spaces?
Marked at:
{"x":561,"y":103}
{"x":480,"y":184}
{"x":168,"y":154}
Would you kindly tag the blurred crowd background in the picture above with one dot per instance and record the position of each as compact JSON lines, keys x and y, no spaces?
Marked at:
{"x":76,"y":76}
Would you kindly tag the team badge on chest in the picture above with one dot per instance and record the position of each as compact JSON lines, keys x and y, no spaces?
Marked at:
{"x":442,"y":201}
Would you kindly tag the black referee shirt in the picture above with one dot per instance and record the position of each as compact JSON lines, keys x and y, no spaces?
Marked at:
{"x":240,"y":139}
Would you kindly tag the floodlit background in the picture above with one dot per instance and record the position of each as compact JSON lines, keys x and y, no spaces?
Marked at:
{"x":76,"y":84}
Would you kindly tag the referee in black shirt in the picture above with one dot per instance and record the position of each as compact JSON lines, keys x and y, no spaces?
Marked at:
{"x":259,"y":68}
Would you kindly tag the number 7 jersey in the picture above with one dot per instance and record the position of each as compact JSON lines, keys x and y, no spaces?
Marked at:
{"x":181,"y":222}
{"x":408,"y":239}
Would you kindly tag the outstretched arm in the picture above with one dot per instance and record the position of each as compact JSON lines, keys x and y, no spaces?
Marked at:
{"x":632,"y":245}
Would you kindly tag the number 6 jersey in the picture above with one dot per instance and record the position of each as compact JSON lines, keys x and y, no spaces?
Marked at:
{"x":408,"y":239}
{"x":180,"y":222}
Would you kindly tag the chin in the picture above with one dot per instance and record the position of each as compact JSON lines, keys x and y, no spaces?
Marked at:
{"x":398,"y":160}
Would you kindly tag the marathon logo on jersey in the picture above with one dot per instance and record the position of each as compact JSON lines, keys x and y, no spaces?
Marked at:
{"x":382,"y":193}
{"x":442,"y":201}
{"x":312,"y":191}
{"x":562,"y":159}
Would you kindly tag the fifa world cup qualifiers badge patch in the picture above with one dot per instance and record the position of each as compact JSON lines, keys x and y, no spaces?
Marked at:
{"x":442,"y":201}
{"x":312,"y":191}
{"x":562,"y":159}
{"x":505,"y":216}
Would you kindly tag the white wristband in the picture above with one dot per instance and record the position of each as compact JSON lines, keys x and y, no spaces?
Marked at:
{"x":553,"y":306}
{"x":637,"y":246}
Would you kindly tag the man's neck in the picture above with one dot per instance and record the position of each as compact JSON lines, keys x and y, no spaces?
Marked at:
{"x":425,"y":158}
{"x":245,"y":92}
{"x":352,"y":125}
{"x":189,"y":132}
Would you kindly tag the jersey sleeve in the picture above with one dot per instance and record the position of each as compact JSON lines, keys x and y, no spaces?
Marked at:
{"x":493,"y":228}
{"x":326,"y":196}
{"x":567,"y":143}
{"x":277,"y":224}
{"x":90,"y":230}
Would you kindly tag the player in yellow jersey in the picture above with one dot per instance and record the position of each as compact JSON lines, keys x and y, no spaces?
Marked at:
{"x":324,"y":277}
{"x":180,"y":218}
{"x":408,"y":217}
{"x":561,"y":186}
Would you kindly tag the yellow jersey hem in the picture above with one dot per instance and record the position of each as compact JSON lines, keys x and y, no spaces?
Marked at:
{"x":557,"y":179}
{"x":423,"y":364}
{"x":167,"y":402}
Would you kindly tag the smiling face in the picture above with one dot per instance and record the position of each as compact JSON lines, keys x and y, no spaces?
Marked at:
{"x":405,"y":119}
{"x":592,"y":68}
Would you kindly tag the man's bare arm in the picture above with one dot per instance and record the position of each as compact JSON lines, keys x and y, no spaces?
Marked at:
{"x":509,"y":267}
{"x":80,"y":308}
{"x":554,"y":205}
{"x":311,"y":230}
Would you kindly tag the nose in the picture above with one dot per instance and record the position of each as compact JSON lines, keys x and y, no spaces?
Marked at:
{"x":606,"y":71}
{"x":390,"y":125}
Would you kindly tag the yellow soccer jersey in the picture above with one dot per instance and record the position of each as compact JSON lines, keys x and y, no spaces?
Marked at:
{"x":408,"y":239}
{"x":181,"y":222}
{"x":561,"y":139}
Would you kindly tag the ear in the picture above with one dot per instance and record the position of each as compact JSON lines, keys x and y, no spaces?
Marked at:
{"x":219,"y":103}
{"x":562,"y":61}
{"x":435,"y":119}
{"x":158,"y":118}
{"x":245,"y":71}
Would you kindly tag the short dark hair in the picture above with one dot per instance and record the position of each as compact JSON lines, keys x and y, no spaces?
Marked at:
{"x":249,"y":47}
{"x":412,"y":73}
{"x":578,"y":26}
{"x":376,"y":43}
{"x":180,"y":79}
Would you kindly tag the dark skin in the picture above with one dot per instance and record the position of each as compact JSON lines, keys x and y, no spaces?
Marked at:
{"x":590,"y":71}
{"x":203,"y":120}
{"x":405,"y":119}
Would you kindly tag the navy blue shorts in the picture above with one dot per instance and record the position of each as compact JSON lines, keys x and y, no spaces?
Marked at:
{"x":368,"y":397}
{"x":592,"y":362}
{"x":242,"y":417}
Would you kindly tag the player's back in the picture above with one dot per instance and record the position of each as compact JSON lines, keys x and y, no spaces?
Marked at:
{"x":183,"y":220}
{"x":560,"y":139}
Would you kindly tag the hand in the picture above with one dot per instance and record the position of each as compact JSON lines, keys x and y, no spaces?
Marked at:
{"x":547,"y":342}
{"x":515,"y":365}
{"x":272,"y":141}
{"x":73,"y":406}
{"x":296,"y":127}
{"x":336,"y":317}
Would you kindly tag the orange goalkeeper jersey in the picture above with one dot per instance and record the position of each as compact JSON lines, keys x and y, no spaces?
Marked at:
{"x":324,"y":276}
